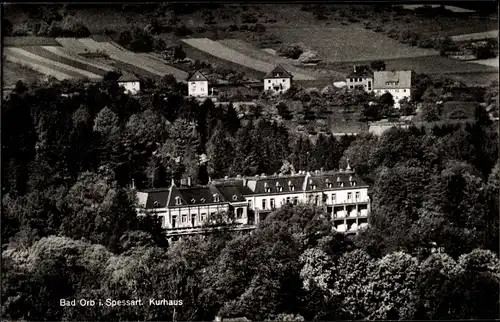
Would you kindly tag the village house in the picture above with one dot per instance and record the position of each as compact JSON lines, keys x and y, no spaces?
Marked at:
{"x":185,"y":209}
{"x":397,"y":83}
{"x":130,"y":83}
{"x":198,"y":85}
{"x":278,"y":80}
{"x":360,"y":78}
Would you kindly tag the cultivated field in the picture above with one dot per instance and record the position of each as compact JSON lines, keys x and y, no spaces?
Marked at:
{"x":29,"y":41}
{"x":216,"y":49}
{"x":13,"y":72}
{"x":477,"y":35}
{"x":36,"y":66}
{"x":61,"y":69}
{"x":348,"y":43}
{"x":78,"y":64}
{"x":492,"y":62}
{"x":259,"y":54}
{"x":143,"y":61}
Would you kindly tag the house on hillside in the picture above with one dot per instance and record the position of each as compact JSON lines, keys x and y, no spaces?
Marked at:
{"x":130,"y":82}
{"x":198,"y":85}
{"x":397,"y":83}
{"x":360,"y":78}
{"x":279,"y":80}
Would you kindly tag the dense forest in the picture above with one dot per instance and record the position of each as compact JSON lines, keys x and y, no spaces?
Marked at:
{"x":71,"y":151}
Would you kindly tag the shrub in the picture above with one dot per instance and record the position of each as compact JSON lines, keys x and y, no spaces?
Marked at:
{"x":182,"y":31}
{"x":200,"y":29}
{"x":248,"y":17}
{"x":291,"y":51}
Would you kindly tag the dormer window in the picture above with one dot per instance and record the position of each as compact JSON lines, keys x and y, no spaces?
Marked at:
{"x":202,"y":200}
{"x":193,"y":200}
{"x":265,"y":184}
{"x":216,"y":197}
{"x":156,"y":204}
{"x":353,"y":183}
{"x":178,"y":201}
{"x":235,"y":197}
{"x":341,"y":184}
{"x":313,"y":187}
{"x":280,"y":188}
{"x":338,"y":179}
{"x":268,"y":189}
{"x":329,"y":184}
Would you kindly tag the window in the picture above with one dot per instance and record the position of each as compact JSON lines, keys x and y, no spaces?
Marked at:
{"x":334,"y":197}
{"x":184,"y":218}
{"x":264,"y":204}
{"x":156,"y":203}
{"x":349,"y":195}
{"x":316,"y":200}
{"x":193,"y":220}
{"x":203,"y":216}
{"x":249,"y":203}
{"x":404,"y":90}
{"x":202,"y":200}
{"x":288,"y":200}
{"x":216,"y":197}
{"x":357,"y":196}
{"x":350,"y":86}
{"x":272,"y":203}
{"x":313,"y":187}
{"x":193,"y":200}
{"x":178,"y":201}
{"x":283,"y":80}
{"x":235,"y":197}
{"x":280,"y":189}
{"x":163,"y":221}
{"x":174,"y":221}
{"x":329,"y":184}
{"x":295,"y":200}
{"x":268,"y":189}
{"x":239,"y":213}
{"x":352,"y":80}
{"x":212,"y":214}
{"x":269,"y":81}
{"x":292,"y":188}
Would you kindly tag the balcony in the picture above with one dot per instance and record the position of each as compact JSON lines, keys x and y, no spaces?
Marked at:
{"x":347,"y":202}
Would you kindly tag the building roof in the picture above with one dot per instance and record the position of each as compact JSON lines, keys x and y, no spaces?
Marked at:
{"x":362,"y":73}
{"x":199,"y":195}
{"x":128,"y":77}
{"x":235,"y":189}
{"x":198,"y":77}
{"x":278,"y":72}
{"x":392,"y":79}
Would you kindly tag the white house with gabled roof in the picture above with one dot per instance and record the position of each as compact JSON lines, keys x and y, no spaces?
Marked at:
{"x":130,"y":83}
{"x":278,"y":81}
{"x":198,"y":85}
{"x":397,"y":83}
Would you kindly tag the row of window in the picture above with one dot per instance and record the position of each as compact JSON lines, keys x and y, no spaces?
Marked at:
{"x":203,"y":217}
{"x":396,"y":90}
{"x":269,"y":81}
{"x":357,"y":79}
{"x":295,"y":200}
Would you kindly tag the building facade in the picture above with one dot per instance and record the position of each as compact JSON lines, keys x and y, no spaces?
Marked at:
{"x":397,"y":83}
{"x":278,"y":80}
{"x":198,"y":85}
{"x":130,"y":83}
{"x":186,"y":209}
{"x":360,"y":78}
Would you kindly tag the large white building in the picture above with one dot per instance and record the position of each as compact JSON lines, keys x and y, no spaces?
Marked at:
{"x":278,"y":80}
{"x":130,"y":83}
{"x":397,"y":83}
{"x":185,"y":209}
{"x":198,"y":85}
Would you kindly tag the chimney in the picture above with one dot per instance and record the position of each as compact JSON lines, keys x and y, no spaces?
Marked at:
{"x":263,"y":175}
{"x":133,"y":184}
{"x":226,"y":177}
{"x":189,"y":183}
{"x":183,"y":182}
{"x":350,"y":178}
{"x":355,"y":69}
{"x":244,"y":181}
{"x":238,"y":176}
